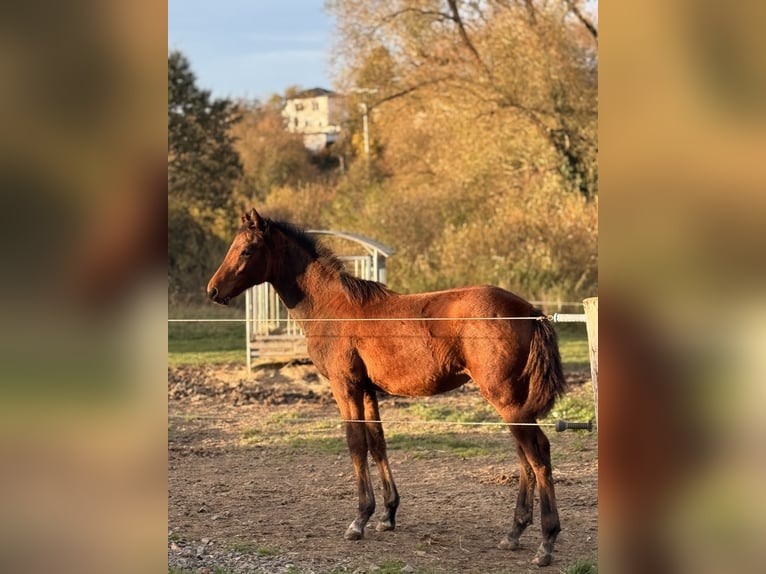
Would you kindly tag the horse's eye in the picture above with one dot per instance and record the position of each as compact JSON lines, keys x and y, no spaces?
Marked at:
{"x":246,"y":252}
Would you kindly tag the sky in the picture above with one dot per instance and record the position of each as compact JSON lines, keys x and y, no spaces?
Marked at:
{"x":253,"y":48}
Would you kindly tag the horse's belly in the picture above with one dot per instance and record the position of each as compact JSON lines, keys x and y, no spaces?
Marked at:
{"x":416,"y":387}
{"x":409,"y":376}
{"x":411,"y":369}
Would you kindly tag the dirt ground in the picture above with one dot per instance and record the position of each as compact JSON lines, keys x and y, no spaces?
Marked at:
{"x":260,"y":481}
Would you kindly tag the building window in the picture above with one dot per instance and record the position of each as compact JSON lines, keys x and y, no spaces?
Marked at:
{"x":315,"y":105}
{"x":298,"y":106}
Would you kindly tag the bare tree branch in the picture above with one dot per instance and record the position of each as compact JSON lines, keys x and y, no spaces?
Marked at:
{"x":464,"y":36}
{"x":408,"y":90}
{"x":394,"y":15}
{"x":585,"y":22}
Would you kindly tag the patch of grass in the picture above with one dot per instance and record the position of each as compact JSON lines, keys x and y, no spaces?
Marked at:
{"x":582,"y":566}
{"x":298,"y":439}
{"x":573,"y":346}
{"x":390,"y":567}
{"x":576,"y":405}
{"x":323,"y":444}
{"x":283,"y":417}
{"x":267,"y":551}
{"x":482,"y":412}
{"x":216,"y":570}
{"x":395,"y":567}
{"x":578,"y":445}
{"x":244,"y":547}
{"x":426,"y":445}
{"x":206,"y":343}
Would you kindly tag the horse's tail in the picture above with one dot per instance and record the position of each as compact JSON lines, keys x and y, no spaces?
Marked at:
{"x":543,"y":370}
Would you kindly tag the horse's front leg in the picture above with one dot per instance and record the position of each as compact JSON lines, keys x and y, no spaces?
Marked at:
{"x":351,"y":405}
{"x":377,"y":445}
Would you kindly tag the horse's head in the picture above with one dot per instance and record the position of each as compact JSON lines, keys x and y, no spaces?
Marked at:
{"x":246,"y":263}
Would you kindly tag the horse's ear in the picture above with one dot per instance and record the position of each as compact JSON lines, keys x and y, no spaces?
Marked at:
{"x":253,"y":219}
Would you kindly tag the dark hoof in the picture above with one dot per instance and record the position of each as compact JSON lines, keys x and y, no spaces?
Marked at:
{"x":543,"y":560}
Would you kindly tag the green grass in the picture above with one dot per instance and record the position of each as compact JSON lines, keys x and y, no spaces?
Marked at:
{"x":482,"y":412}
{"x":395,"y":567}
{"x":456,"y":444}
{"x":267,"y":551}
{"x":251,"y":548}
{"x":573,"y":346}
{"x":296,"y":439}
{"x":582,"y":566}
{"x":330,"y":440}
{"x":576,"y":405}
{"x":206,"y":343}
{"x":244,"y":547}
{"x":216,"y":570}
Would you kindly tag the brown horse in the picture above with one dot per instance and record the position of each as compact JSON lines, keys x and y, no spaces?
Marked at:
{"x":365,"y":338}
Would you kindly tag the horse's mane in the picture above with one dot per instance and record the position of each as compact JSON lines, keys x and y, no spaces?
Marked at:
{"x":356,"y":290}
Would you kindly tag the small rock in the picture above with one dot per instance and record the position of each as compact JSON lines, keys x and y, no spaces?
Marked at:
{"x":407,"y":568}
{"x":205,"y":541}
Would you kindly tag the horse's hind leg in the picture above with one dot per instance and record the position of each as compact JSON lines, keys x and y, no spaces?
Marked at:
{"x":377,"y":444}
{"x":538,"y":451}
{"x":522,"y":516}
{"x":351,"y":406}
{"x":535,"y":456}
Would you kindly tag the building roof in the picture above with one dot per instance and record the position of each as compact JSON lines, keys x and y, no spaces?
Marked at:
{"x":313,"y":93}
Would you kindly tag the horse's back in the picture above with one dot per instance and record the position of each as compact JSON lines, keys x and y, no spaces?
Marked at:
{"x":444,"y":338}
{"x":479,"y":301}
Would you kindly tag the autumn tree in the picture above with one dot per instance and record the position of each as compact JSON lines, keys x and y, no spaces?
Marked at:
{"x":530,"y":66}
{"x":202,"y":162}
{"x":203,"y":167}
{"x":485,"y":115}
{"x":271,"y":156}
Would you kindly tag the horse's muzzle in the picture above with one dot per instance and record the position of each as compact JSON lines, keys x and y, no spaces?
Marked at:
{"x":214,"y":296}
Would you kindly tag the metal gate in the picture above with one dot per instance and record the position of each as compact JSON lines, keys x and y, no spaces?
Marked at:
{"x":270,"y":331}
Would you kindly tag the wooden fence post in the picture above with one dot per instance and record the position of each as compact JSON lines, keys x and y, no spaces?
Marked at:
{"x":591,"y":320}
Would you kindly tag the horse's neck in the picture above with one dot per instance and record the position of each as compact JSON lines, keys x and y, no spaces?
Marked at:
{"x":305,"y":292}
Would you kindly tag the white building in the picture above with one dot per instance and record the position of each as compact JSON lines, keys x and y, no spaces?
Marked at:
{"x":317,"y":114}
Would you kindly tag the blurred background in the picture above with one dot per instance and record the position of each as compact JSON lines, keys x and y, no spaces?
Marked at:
{"x":83,"y":296}
{"x":682,"y":118}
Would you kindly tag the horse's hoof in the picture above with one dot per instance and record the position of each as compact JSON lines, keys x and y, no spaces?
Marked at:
{"x":508,"y":544}
{"x":384,"y":525}
{"x":353,"y":534}
{"x":543,"y":560}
